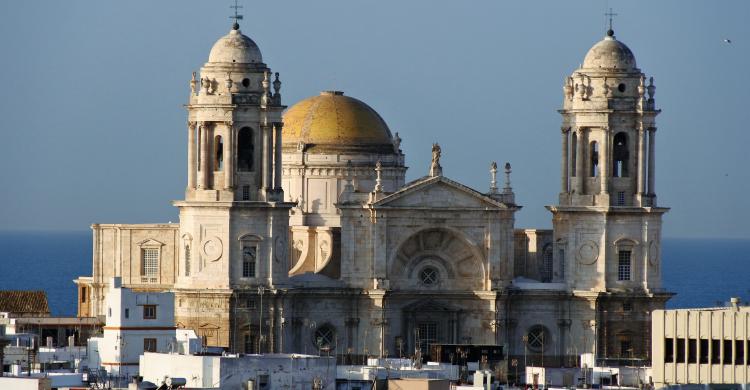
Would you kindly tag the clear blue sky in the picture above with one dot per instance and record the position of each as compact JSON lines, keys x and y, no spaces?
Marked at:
{"x":93,"y":128}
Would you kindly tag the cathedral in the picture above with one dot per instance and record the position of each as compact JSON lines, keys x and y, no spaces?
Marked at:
{"x":299,"y":233}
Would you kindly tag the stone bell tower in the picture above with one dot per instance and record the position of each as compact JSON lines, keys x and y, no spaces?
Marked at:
{"x":233,"y":222}
{"x":607,"y":227}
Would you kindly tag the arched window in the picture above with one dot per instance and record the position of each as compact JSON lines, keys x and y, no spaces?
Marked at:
{"x":245,"y":150}
{"x":573,"y":153}
{"x":594,"y":155}
{"x":218,"y":153}
{"x":547,"y":264}
{"x":620,"y":155}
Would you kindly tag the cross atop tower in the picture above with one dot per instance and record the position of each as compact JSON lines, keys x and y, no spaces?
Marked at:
{"x":237,"y":17}
{"x":610,"y":15}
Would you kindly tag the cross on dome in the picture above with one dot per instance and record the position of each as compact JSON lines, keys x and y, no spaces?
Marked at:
{"x":237,"y":17}
{"x":610,"y":15}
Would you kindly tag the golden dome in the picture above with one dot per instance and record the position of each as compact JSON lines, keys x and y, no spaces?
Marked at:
{"x":333,"y":120}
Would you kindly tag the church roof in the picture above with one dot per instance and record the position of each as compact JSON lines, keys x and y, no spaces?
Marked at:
{"x":235,"y":47}
{"x":610,"y":54}
{"x":18,"y":301}
{"x":333,"y":120}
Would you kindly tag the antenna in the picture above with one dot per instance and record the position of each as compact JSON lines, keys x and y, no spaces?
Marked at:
{"x":237,"y":17}
{"x":610,"y":15}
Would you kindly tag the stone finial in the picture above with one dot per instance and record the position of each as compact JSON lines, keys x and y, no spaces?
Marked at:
{"x":568,"y":88}
{"x":582,"y":89}
{"x":507,"y":189}
{"x":348,"y":187}
{"x":228,"y":82}
{"x":396,"y":143}
{"x":378,"y":177}
{"x":265,"y":99}
{"x":493,"y":178}
{"x":607,"y":88}
{"x":651,"y":88}
{"x":193,"y":85}
{"x":642,"y":86}
{"x":435,"y":168}
{"x":277,"y":89}
{"x":205,"y":85}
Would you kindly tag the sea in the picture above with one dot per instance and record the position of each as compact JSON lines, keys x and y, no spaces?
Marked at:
{"x":702,"y":272}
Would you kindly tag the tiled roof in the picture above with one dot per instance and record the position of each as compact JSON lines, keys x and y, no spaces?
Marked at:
{"x":14,"y":301}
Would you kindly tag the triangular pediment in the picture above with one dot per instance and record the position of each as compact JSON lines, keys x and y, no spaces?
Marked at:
{"x":150,"y":242}
{"x":438,"y":192}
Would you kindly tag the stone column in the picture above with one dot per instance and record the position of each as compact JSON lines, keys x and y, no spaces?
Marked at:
{"x":266,"y":156}
{"x":651,"y":161}
{"x":604,"y":162}
{"x":565,"y":162}
{"x":580,"y":161}
{"x":229,"y":157}
{"x":641,"y":160}
{"x":192,"y":152}
{"x":205,"y":156}
{"x":277,"y":156}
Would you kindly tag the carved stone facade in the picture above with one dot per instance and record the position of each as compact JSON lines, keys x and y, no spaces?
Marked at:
{"x":351,"y":259}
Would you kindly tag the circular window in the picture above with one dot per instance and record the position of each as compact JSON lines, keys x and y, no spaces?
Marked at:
{"x":429,"y":276}
{"x":537,"y":338}
{"x":324,"y":338}
{"x":245,"y":82}
{"x":621,"y":87}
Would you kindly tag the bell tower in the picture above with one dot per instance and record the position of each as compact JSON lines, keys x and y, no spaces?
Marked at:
{"x":607,"y":226}
{"x":234,"y":224}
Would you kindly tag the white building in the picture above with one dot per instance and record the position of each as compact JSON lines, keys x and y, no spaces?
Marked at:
{"x":136,"y":322}
{"x":701,"y":346}
{"x":274,"y":371}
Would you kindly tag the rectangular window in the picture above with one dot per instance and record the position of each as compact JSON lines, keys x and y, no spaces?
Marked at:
{"x":680,"y":358}
{"x":245,"y":192}
{"x":623,"y":265}
{"x":692,"y":351}
{"x":127,"y":313}
{"x":727,"y":357}
{"x":149,"y":265}
{"x":621,"y":198}
{"x":715,"y":351}
{"x":739,"y":352}
{"x":249,"y":254}
{"x":668,"y":350}
{"x":83,"y":294}
{"x":561,"y":254}
{"x":704,"y":351}
{"x":625,"y":348}
{"x":187,"y":260}
{"x":627,"y":306}
{"x":427,"y":335}
{"x":250,"y":304}
{"x":149,"y":312}
{"x":149,"y":345}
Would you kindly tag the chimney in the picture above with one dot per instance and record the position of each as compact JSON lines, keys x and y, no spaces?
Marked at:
{"x":735,"y":303}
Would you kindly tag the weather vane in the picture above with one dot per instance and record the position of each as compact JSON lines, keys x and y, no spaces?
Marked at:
{"x":610,"y":15}
{"x":237,"y":17}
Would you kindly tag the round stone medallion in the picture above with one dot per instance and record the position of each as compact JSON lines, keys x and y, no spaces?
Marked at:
{"x":212,"y":248}
{"x":588,"y":252}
